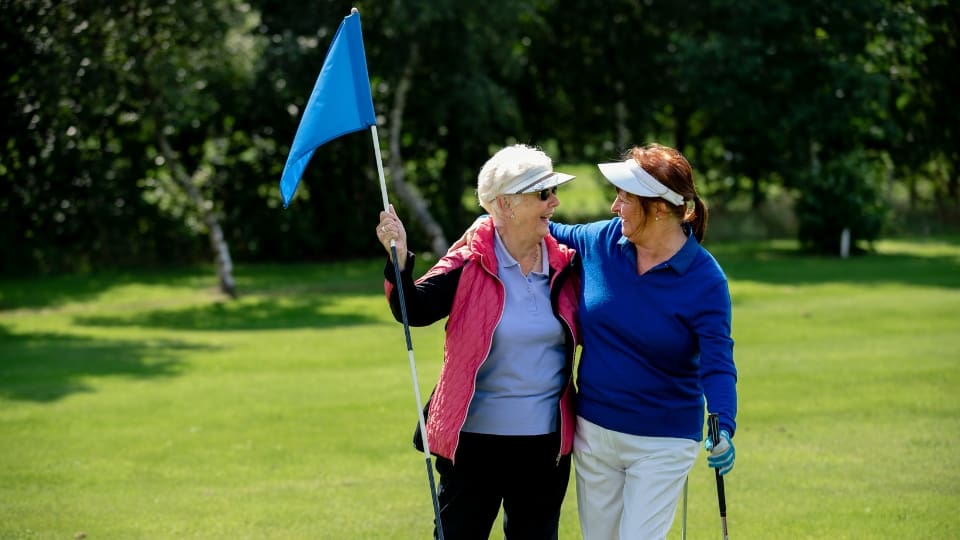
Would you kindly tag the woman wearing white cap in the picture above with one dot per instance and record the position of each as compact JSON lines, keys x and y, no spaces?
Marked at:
{"x":655,"y":317}
{"x":501,"y":417}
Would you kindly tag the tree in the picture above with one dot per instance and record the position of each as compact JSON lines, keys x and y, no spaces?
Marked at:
{"x":119,"y":93}
{"x":920,"y":48}
{"x":842,"y":196}
{"x":68,"y":165}
{"x":140,"y":128}
{"x":168,"y":55}
{"x":755,"y":94}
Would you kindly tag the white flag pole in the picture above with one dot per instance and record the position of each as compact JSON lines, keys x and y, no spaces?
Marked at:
{"x":406,"y":331}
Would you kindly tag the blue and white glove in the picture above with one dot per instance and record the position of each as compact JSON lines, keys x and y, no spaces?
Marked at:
{"x":721,"y":456}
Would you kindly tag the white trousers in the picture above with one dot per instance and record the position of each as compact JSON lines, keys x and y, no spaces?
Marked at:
{"x":628,"y":486}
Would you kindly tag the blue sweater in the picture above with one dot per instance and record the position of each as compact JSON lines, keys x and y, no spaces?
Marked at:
{"x":653,"y":345}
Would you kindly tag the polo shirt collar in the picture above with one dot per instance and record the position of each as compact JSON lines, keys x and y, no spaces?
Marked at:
{"x":505,"y":260}
{"x":681,"y":260}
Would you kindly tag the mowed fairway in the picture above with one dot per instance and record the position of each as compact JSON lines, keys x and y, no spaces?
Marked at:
{"x":147,"y":406}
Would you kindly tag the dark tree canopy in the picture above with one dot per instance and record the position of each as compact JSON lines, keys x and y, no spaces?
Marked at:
{"x":134,"y":129}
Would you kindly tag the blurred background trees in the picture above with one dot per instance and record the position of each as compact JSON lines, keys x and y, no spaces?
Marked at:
{"x":142,"y":133}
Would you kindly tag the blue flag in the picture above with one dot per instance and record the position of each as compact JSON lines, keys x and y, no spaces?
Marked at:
{"x":339,"y":104}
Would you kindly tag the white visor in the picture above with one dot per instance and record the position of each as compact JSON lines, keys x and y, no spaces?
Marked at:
{"x":535,"y":180}
{"x":629,"y":176}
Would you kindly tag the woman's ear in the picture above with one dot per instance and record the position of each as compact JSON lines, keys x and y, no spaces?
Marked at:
{"x":503,"y":203}
{"x":662,"y":209}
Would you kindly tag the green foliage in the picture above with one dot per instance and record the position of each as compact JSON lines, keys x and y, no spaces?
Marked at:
{"x":143,"y":405}
{"x":921,"y":122}
{"x":745,"y":89}
{"x":842,"y":194}
{"x":587,"y":198}
{"x":92,"y":86}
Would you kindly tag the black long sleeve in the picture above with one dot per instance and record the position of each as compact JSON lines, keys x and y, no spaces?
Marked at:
{"x":428,"y":300}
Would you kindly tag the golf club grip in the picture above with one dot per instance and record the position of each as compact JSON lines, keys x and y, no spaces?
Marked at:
{"x":721,"y":497}
{"x":713,"y":428}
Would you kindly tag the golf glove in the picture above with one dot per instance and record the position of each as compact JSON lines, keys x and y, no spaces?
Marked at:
{"x":721,"y":456}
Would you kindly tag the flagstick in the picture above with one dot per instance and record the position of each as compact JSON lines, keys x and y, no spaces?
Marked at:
{"x":406,"y":331}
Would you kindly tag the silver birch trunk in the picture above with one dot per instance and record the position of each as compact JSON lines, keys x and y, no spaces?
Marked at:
{"x":407,"y":193}
{"x":218,"y":243}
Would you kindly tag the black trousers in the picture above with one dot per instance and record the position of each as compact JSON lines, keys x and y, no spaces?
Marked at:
{"x":520,"y":472}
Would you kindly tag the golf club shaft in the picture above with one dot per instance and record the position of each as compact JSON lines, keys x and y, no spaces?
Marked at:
{"x":683,"y":523}
{"x":714,"y":431}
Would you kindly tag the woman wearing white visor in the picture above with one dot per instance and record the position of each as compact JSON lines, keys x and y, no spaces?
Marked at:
{"x":655,"y":317}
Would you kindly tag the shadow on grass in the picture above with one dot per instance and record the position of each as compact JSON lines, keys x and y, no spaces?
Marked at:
{"x":297,"y":295}
{"x":786,"y":266}
{"x":262,"y":313}
{"x":47,"y":291}
{"x":364,"y":276}
{"x":45,"y":367}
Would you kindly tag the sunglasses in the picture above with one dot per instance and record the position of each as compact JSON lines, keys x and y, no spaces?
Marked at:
{"x":544,"y":194}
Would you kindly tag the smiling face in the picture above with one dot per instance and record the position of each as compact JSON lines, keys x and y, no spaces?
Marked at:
{"x":631,"y":210}
{"x":529,"y":214}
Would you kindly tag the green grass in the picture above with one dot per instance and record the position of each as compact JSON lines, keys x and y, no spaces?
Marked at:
{"x":147,"y":406}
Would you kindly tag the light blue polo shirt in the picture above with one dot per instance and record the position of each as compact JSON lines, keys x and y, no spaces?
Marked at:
{"x":519,"y":383}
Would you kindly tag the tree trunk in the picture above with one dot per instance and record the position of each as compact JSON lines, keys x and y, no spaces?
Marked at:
{"x":757,"y":195}
{"x":953,"y":187}
{"x":681,"y":129}
{"x":621,"y":119}
{"x":407,"y":193}
{"x":217,"y":241}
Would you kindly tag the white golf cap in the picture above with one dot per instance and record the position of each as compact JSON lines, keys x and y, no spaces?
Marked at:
{"x":534,"y":180}
{"x":629,"y":176}
{"x":517,"y":169}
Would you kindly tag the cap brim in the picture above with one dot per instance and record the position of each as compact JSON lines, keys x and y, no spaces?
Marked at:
{"x":560,"y":178}
{"x":556,"y":179}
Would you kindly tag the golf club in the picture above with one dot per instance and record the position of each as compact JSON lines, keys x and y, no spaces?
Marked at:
{"x":683,"y":522}
{"x":714,"y":429}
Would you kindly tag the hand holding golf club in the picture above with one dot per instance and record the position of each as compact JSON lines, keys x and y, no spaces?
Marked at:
{"x":721,"y":459}
{"x":722,"y":454}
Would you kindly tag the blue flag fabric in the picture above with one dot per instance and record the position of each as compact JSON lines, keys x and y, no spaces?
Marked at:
{"x":339,"y":104}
